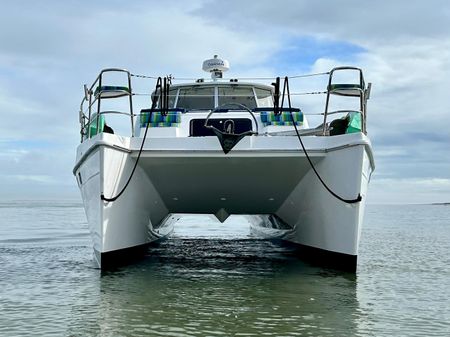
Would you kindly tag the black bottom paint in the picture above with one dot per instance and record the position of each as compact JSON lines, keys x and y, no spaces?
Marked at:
{"x":126,"y":256}
{"x":323,"y":258}
{"x":314,"y":256}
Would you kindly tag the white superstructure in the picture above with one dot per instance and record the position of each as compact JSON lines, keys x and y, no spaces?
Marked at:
{"x":225,"y":147}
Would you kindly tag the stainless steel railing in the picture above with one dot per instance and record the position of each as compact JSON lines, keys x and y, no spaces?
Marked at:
{"x":350,"y":90}
{"x":92,"y":98}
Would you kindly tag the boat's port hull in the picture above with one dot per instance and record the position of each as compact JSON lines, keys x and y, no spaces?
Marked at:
{"x":262,"y":175}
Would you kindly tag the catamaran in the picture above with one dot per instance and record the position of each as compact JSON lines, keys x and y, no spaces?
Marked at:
{"x":223,"y":147}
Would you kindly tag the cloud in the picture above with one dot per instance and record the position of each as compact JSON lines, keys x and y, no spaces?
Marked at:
{"x":404,"y":50}
{"x":46,"y":56}
{"x":366,"y":24}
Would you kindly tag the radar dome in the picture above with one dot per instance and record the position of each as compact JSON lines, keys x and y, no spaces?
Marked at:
{"x":216,"y":67}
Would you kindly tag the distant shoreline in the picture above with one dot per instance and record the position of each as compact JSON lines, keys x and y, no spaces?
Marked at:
{"x":441,"y":203}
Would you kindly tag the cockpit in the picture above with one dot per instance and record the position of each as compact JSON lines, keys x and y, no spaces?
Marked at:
{"x":203,"y":97}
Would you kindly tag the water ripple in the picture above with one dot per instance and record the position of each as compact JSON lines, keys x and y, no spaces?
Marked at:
{"x":193,"y":286}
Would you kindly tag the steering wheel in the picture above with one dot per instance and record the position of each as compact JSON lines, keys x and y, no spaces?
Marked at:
{"x":241,"y":107}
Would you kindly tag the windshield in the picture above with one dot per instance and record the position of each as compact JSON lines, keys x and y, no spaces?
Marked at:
{"x":196,"y":98}
{"x":172,"y":96}
{"x":237,"y":95}
{"x":264,"y":97}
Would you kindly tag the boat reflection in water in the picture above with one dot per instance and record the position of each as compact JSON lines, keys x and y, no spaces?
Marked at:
{"x":228,"y":287}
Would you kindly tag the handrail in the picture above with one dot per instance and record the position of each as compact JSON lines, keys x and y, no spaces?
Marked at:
{"x":363,"y":96}
{"x":90,"y":91}
{"x":87,"y":112}
{"x":91,"y":98}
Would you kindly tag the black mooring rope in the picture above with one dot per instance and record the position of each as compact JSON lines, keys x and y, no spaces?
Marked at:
{"x":154,"y":102}
{"x":286,"y":89}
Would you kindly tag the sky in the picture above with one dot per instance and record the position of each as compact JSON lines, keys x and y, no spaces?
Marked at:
{"x":49,"y":49}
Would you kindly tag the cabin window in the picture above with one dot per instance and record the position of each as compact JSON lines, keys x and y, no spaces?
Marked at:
{"x":196,"y":98}
{"x":172,"y":97}
{"x":264,"y":97}
{"x":238,"y":95}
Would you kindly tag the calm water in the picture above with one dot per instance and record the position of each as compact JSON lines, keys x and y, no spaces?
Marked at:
{"x":213,"y":280}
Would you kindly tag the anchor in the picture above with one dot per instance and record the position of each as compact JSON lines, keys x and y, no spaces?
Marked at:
{"x":227,"y":137}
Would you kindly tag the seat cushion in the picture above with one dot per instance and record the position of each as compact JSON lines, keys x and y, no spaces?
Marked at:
{"x":173,"y":118}
{"x":283,"y":119}
{"x":109,"y":91}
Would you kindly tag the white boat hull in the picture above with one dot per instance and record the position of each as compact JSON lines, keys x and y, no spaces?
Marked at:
{"x":313,"y":218}
{"x":261,"y":176}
